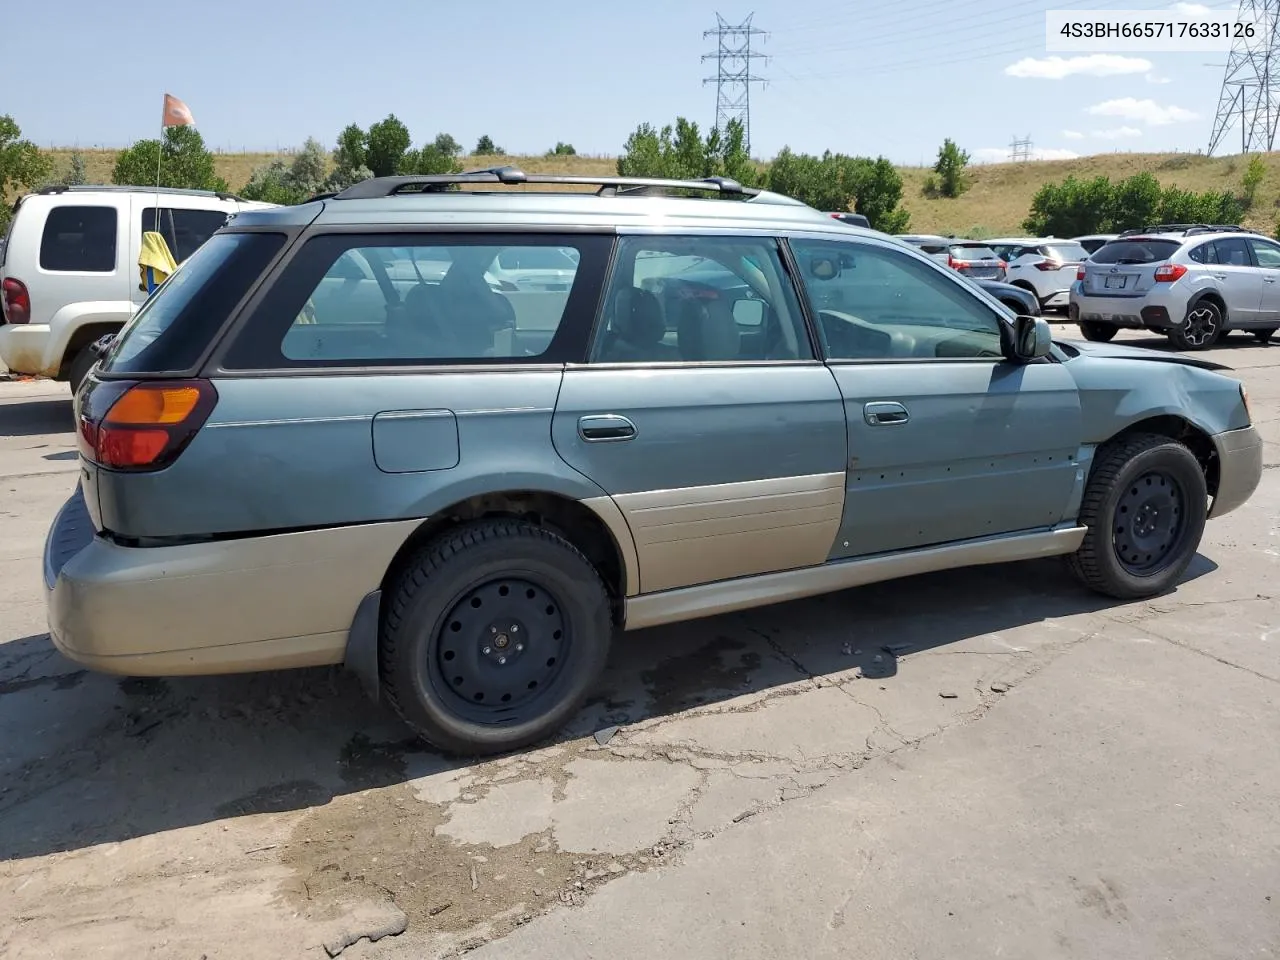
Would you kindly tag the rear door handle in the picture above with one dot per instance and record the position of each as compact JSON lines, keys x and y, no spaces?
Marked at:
{"x":1268,"y":279}
{"x":604,"y":427}
{"x":882,"y":413}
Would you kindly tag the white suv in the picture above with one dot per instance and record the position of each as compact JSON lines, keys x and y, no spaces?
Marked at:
{"x":1044,"y":266}
{"x":69,"y":267}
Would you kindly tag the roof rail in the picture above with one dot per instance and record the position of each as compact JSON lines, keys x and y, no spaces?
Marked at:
{"x":609,"y":186}
{"x":57,"y":188}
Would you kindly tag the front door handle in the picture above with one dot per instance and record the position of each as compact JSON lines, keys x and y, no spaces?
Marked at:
{"x":1268,"y":279}
{"x":1219,"y":276}
{"x":882,"y":413}
{"x":605,"y":427}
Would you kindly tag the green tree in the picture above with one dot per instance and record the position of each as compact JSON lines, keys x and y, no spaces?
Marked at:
{"x":878,"y":191}
{"x":430,"y":160}
{"x":485,"y":147}
{"x":22,"y":165}
{"x":646,"y":152}
{"x":838,"y":182}
{"x":1071,"y":208}
{"x":76,"y":175}
{"x":1134,"y":203}
{"x":1253,"y":176}
{"x":950,"y":169}
{"x":184,"y":162}
{"x":446,"y":144}
{"x":293,"y":182}
{"x":349,"y":159}
{"x":562,"y":149}
{"x":388,"y":141}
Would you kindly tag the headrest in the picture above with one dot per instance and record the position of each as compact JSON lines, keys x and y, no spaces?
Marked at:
{"x":637,"y":317}
{"x":707,"y":331}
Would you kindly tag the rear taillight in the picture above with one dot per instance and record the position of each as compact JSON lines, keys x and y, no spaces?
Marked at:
{"x":15,"y":301}
{"x":955,"y":264}
{"x":1169,"y":272}
{"x":1049,"y":265}
{"x":147,"y":425}
{"x":1080,"y":272}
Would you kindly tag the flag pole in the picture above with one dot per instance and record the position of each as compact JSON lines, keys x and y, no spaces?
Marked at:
{"x":159,"y":158}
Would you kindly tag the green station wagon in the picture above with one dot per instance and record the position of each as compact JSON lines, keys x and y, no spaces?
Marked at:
{"x":456,"y":434}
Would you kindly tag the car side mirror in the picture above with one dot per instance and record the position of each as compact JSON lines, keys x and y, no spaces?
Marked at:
{"x":1032,"y":338}
{"x":748,"y":313}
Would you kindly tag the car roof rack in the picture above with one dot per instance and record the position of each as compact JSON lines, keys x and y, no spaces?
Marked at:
{"x":1187,"y":229}
{"x":377,"y":187}
{"x":56,"y":188}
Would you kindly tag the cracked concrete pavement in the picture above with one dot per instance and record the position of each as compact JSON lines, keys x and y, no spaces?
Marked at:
{"x":989,"y":762}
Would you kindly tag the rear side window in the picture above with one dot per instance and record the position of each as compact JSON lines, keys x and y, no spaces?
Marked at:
{"x":185,"y":231}
{"x":176,"y":324}
{"x":1136,"y":251}
{"x":79,"y":240}
{"x":370,"y":300}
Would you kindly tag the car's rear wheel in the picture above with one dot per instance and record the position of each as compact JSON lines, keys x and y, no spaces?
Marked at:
{"x":80,"y":367}
{"x":492,"y":636}
{"x":1200,"y":329}
{"x":1264,"y":336}
{"x":1098,"y":332}
{"x":1145,"y":507}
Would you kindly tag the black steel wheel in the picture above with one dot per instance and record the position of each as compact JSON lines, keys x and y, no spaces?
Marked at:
{"x":492,"y":637}
{"x":1098,"y":332}
{"x":1144,"y":508}
{"x":1201,"y":327}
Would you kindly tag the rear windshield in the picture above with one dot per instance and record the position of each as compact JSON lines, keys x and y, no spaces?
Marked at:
{"x":1066,"y":252}
{"x":1135,"y":251}
{"x":973,"y":251}
{"x":175,"y":325}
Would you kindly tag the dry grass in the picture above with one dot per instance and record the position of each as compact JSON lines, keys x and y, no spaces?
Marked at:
{"x":996,"y":203}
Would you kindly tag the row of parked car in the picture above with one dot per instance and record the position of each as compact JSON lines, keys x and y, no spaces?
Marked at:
{"x":1192,"y":282}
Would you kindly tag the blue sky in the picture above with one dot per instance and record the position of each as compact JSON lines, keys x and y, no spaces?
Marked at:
{"x":891,"y":77}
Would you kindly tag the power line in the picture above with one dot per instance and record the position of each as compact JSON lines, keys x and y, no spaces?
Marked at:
{"x":1020,"y":150}
{"x":1248,"y":93}
{"x":734,"y":78}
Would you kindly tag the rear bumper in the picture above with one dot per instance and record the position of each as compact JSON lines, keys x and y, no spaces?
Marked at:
{"x":258,"y":603}
{"x":1239,"y":468}
{"x":1151,"y":312}
{"x":22,"y":348}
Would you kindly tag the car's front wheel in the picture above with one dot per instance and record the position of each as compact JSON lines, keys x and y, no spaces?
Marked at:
{"x":1145,"y":507}
{"x":1200,"y":329}
{"x":1264,"y":336}
{"x":1098,"y":332}
{"x":492,"y":636}
{"x":81,"y":364}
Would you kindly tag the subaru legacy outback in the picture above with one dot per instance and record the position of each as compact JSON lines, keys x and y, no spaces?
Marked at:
{"x":342,"y":434}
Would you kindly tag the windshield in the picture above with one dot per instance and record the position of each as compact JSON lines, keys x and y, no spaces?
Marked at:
{"x":973,"y":251}
{"x":175,"y":325}
{"x":1067,"y":252}
{"x":1135,"y":251}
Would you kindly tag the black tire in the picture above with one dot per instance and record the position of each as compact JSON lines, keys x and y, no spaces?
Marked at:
{"x":551,"y":632}
{"x":1119,"y":557}
{"x":80,"y":367}
{"x":1200,"y":328}
{"x":1098,"y":332}
{"x":1264,"y":336}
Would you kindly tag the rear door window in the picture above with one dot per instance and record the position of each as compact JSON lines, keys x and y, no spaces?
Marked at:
{"x":349,"y":300}
{"x":1267,"y":254}
{"x":1233,"y":252}
{"x":177,"y":323}
{"x":183,"y":230}
{"x":79,"y":239}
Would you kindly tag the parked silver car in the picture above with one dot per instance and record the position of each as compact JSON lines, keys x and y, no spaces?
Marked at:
{"x":1192,"y":285}
{"x":463,"y":492}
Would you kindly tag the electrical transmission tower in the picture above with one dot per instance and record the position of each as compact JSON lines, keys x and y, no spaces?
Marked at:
{"x":1020,"y":149}
{"x":1250,"y":88}
{"x":734,"y":78}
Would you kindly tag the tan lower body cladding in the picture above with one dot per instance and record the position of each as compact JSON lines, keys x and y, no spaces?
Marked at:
{"x":695,"y":535}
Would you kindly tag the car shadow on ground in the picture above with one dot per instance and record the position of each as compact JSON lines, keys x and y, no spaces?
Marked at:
{"x":87,"y":759}
{"x":35,"y":417}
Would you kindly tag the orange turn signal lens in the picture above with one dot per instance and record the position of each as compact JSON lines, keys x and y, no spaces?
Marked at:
{"x":158,"y":405}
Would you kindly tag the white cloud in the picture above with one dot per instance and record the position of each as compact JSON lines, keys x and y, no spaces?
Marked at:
{"x":1192,"y":8}
{"x":1117,"y":133}
{"x":1143,"y":111}
{"x":1072,"y":135}
{"x":1152,"y":78}
{"x":1001,"y":154}
{"x":1092,"y":65}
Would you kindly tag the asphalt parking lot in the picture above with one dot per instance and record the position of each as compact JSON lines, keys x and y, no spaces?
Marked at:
{"x":984,"y":763}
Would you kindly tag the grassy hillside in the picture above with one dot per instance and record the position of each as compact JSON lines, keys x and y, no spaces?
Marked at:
{"x":996,"y":203}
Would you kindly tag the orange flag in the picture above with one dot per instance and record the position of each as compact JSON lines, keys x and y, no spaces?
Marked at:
{"x":176,"y":113}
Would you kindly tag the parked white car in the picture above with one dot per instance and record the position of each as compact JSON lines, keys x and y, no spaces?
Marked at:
{"x":1046,"y":266}
{"x":69,"y":267}
{"x":1093,"y":241}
